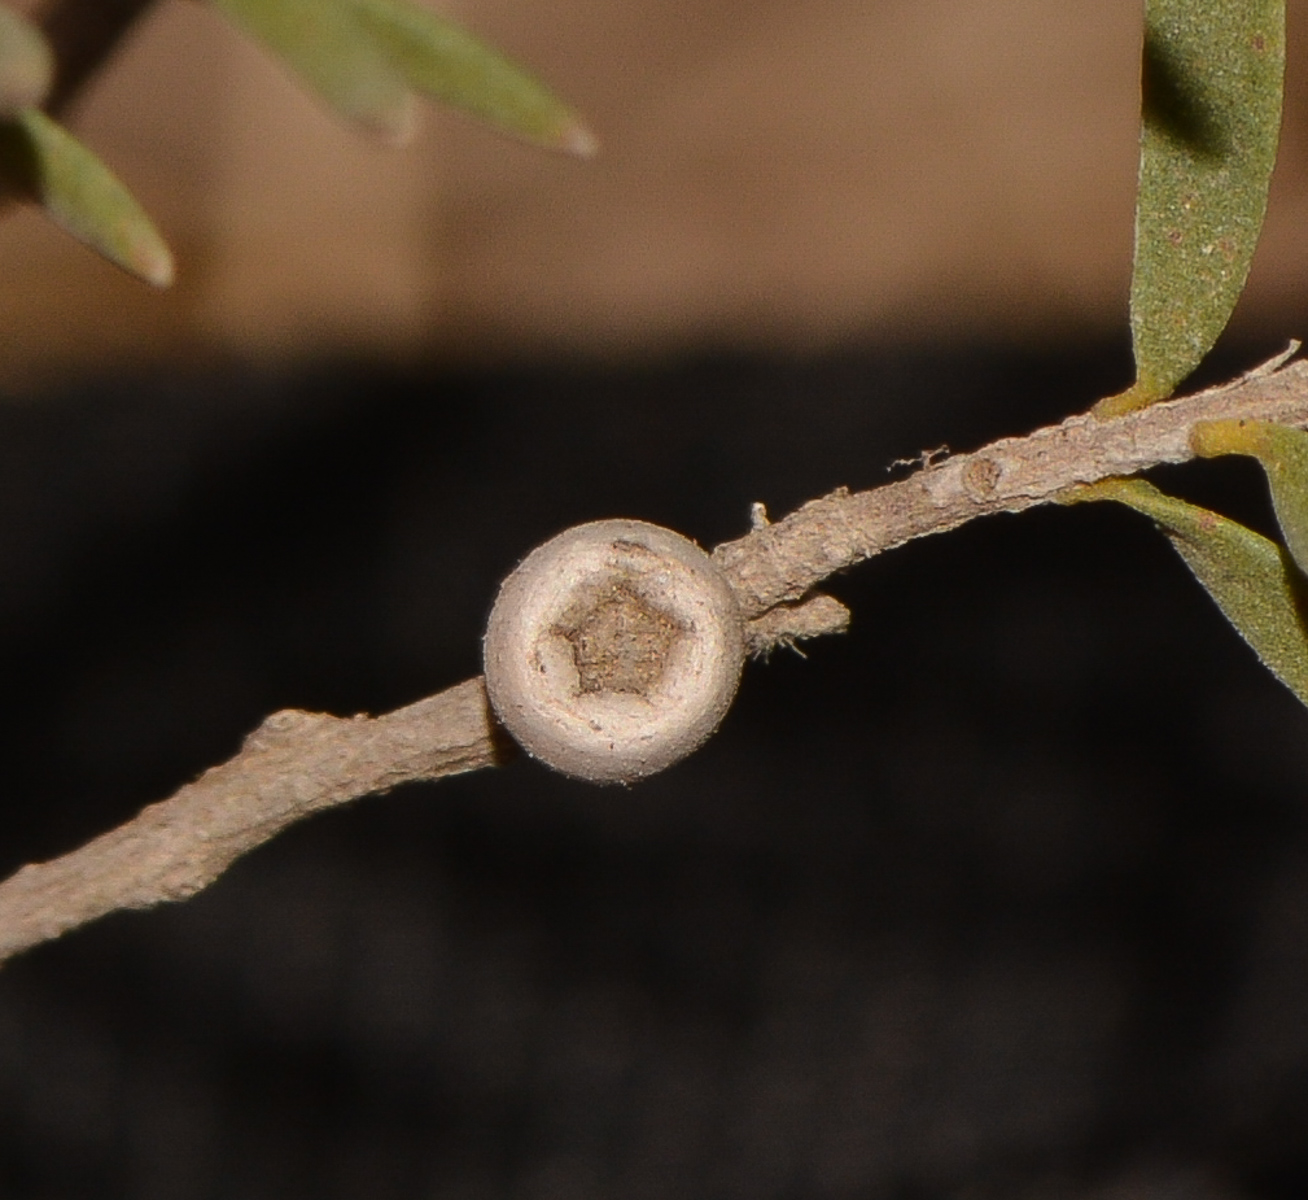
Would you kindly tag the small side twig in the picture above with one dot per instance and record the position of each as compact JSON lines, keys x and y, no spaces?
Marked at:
{"x":299,"y":763}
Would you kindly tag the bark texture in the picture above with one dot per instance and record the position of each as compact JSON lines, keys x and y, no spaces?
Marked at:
{"x":781,"y":562}
{"x":294,"y":764}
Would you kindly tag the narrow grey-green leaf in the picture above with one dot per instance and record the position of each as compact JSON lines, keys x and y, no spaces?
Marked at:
{"x":1212,"y":83}
{"x":446,"y":62}
{"x":323,"y":43}
{"x":43,"y":163}
{"x":1253,"y":580}
{"x":1283,"y":454}
{"x":26,"y":63}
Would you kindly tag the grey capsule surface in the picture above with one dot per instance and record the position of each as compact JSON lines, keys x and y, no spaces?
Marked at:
{"x":613,"y":650}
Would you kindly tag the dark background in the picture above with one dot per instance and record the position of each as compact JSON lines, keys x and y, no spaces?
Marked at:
{"x":1004,"y":894}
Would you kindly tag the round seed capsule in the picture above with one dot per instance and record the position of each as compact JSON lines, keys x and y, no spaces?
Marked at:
{"x":613,"y":650}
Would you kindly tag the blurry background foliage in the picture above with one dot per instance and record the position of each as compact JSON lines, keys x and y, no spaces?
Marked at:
{"x":365,"y":59}
{"x":976,"y":158}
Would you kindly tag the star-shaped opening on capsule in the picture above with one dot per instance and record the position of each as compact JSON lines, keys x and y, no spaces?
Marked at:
{"x":620,"y":641}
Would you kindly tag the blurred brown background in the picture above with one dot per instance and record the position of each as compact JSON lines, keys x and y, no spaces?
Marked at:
{"x":773,"y":174}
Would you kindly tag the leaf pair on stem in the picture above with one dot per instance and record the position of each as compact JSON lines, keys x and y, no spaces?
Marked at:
{"x":1212,"y":87}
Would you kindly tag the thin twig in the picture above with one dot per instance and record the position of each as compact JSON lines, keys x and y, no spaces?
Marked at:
{"x":781,"y":562}
{"x":294,"y":764}
{"x":299,"y":763}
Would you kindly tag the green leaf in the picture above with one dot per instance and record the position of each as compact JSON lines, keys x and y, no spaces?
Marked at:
{"x":366,"y":58}
{"x":1212,"y":83}
{"x":1253,"y":580}
{"x":43,"y":163}
{"x":1283,"y":454}
{"x":26,"y":63}
{"x":447,"y":63}
{"x":322,"y":42}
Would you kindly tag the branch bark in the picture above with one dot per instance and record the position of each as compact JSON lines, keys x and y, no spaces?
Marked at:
{"x":297,"y":763}
{"x":780,"y":563}
{"x":293,"y":765}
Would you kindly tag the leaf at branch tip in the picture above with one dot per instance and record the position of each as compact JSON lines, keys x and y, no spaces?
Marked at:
{"x":1254,"y":581}
{"x":26,"y":63}
{"x":43,"y":163}
{"x":1283,"y":454}
{"x":447,"y":63}
{"x":1212,"y":83}
{"x":322,"y":43}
